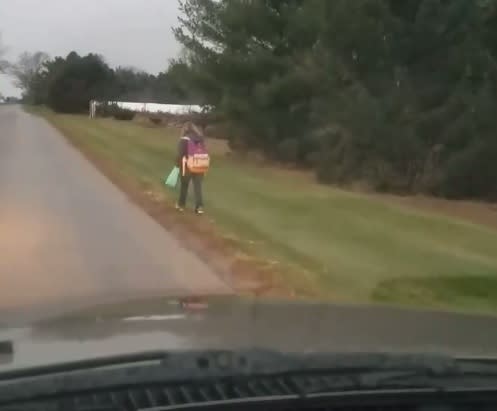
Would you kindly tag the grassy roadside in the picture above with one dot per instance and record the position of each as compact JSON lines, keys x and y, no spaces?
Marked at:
{"x":281,"y":233}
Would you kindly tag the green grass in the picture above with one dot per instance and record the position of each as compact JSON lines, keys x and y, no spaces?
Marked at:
{"x":347,"y":246}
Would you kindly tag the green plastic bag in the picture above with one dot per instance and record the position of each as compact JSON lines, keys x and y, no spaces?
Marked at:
{"x":172,"y":178}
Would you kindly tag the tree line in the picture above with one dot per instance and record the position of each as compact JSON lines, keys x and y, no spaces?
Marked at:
{"x":67,"y":84}
{"x":401,"y":95}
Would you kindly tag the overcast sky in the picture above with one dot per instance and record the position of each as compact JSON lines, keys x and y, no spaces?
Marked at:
{"x":126,"y":32}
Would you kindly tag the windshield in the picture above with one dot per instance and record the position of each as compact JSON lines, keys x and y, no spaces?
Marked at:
{"x":289,"y":175}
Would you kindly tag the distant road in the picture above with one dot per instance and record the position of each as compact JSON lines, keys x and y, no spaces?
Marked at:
{"x":67,"y":234}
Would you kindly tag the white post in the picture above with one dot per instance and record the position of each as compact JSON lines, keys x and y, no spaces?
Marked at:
{"x":91,"y":109}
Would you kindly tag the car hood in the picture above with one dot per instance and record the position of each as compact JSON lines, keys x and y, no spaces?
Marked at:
{"x":241,"y":323}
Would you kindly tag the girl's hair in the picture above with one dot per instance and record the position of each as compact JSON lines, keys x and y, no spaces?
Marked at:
{"x":187,"y":129}
{"x":190,"y":129}
{"x":197,"y":130}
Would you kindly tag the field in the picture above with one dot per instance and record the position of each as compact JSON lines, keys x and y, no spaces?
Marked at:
{"x":285,"y":234}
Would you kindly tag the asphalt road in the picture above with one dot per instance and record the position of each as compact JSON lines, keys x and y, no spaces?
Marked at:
{"x":67,"y":234}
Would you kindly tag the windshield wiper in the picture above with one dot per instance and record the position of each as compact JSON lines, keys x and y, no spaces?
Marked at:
{"x":461,"y":374}
{"x":248,"y":375}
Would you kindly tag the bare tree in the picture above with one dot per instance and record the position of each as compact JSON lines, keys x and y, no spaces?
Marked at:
{"x":28,"y":65}
{"x":3,"y":63}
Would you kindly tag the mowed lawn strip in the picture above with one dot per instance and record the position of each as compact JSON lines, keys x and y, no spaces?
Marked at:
{"x":347,"y":246}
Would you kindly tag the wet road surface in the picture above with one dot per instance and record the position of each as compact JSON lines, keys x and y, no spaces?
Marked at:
{"x":67,"y":234}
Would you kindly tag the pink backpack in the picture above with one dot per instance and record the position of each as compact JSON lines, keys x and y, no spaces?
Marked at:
{"x":197,"y":158}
